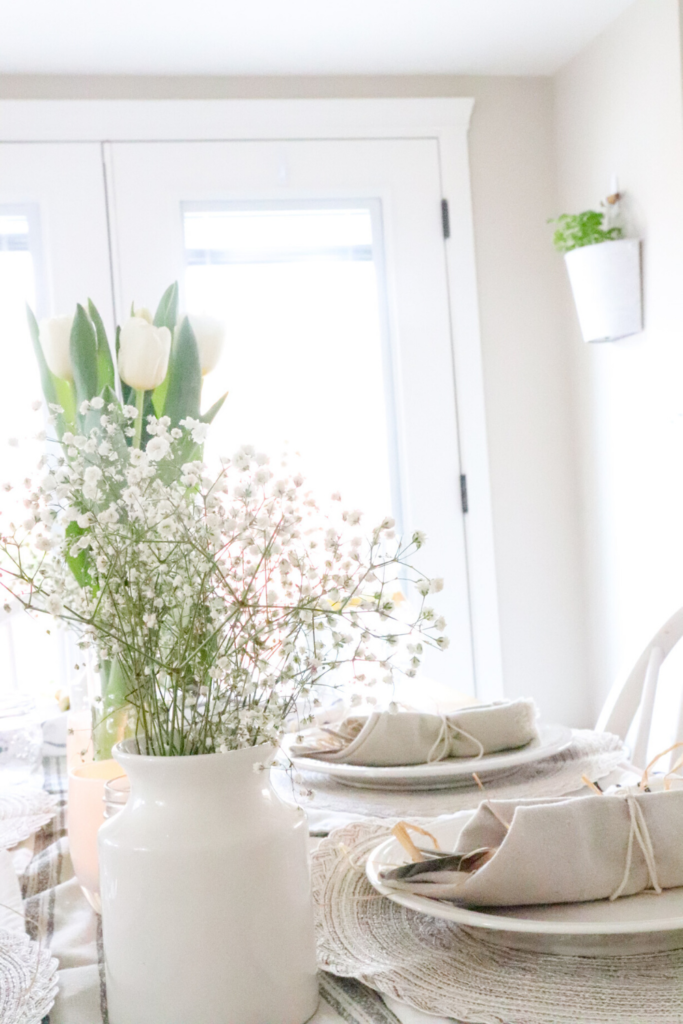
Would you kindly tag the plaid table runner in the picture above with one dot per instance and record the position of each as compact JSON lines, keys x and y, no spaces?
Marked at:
{"x":58,"y":914}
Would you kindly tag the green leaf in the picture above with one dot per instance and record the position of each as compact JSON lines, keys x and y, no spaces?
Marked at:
{"x":159,"y":396}
{"x":84,"y":356}
{"x":56,"y":391}
{"x":108,"y":395}
{"x":147,"y":410}
{"x":46,"y":378}
{"x":574,"y":231}
{"x":167,"y":310}
{"x":66,"y":397}
{"x":184,"y":376}
{"x":209,"y":417}
{"x":105,"y":364}
{"x":92,"y":418}
{"x":79,"y":564}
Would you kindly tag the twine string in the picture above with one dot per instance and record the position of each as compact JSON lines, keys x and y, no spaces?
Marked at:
{"x":646,"y":774}
{"x":447,"y":733}
{"x":639,"y":833}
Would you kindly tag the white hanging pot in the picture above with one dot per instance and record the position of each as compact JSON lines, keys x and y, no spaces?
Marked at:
{"x":206,"y":906}
{"x":606,"y":283}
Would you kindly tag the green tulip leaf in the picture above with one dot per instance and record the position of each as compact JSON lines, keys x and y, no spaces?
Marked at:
{"x":147,"y":410}
{"x":184,"y":376}
{"x":46,"y":377}
{"x":92,"y":418}
{"x":108,"y":396}
{"x":167,"y":310}
{"x":159,"y":396}
{"x":105,"y":364}
{"x":79,"y":563}
{"x":66,"y":397}
{"x":84,"y":356}
{"x":209,"y":417}
{"x":56,"y":391}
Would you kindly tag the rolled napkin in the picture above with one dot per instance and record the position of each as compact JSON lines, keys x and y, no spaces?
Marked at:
{"x":522,"y":852}
{"x":393,"y":738}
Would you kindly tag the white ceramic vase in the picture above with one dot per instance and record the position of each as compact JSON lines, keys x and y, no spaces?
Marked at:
{"x":205,"y":889}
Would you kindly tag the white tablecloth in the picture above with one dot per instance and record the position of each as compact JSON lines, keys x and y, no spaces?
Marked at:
{"x":58,"y":913}
{"x":57,"y":910}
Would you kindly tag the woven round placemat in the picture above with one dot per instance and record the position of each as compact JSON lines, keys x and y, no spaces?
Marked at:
{"x":438,"y":968}
{"x":590,"y":753}
{"x":28,"y":980}
{"x":22,"y":813}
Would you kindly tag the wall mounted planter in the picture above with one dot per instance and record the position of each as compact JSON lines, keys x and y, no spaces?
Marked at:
{"x":606,"y":282}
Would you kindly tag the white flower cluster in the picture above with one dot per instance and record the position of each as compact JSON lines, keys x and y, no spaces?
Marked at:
{"x":224,"y":597}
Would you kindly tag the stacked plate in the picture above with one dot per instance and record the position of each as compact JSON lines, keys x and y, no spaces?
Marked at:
{"x":644,"y":923}
{"x":446,"y":774}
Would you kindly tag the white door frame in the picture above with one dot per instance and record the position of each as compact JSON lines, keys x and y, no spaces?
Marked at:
{"x":445,"y":120}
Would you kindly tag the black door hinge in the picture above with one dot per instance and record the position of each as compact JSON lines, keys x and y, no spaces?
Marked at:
{"x":445,"y":219}
{"x":463,"y":493}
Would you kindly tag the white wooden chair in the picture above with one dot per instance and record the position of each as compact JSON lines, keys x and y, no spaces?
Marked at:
{"x":631,"y":702}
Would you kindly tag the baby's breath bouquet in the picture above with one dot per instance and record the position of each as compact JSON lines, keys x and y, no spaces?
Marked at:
{"x":159,"y":367}
{"x":225,"y":599}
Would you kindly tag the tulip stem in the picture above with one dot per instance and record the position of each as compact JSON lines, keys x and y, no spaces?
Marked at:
{"x":139,"y":405}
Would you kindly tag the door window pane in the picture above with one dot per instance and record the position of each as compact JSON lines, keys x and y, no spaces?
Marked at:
{"x":31,"y":659}
{"x":20,"y":380}
{"x":306,"y":359}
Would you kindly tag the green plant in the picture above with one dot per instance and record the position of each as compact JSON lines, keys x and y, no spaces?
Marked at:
{"x":579,"y":229}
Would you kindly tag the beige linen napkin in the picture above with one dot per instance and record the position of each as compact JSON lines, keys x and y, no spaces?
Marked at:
{"x":387,"y":738}
{"x":557,"y":851}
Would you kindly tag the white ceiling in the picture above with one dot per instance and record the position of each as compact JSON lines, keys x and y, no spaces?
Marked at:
{"x":304,"y":37}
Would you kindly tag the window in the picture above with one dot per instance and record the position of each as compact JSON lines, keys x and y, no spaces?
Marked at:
{"x":347,"y":192}
{"x":31,"y":658}
{"x":20,"y":380}
{"x":306,"y":358}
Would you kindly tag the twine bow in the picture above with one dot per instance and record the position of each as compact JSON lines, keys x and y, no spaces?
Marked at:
{"x":639,"y":833}
{"x":447,"y":733}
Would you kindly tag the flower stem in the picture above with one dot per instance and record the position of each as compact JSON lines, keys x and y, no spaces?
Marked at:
{"x":139,"y":405}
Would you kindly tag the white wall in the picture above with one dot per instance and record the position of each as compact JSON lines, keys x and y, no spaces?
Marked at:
{"x":619,"y":109}
{"x":527,"y":371}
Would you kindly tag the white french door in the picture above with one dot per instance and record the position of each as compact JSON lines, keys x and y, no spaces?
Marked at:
{"x":326,"y":259}
{"x":54,"y":253}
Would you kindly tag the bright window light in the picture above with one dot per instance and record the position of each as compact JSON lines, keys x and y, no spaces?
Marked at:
{"x":31,"y":659}
{"x":305,"y":361}
{"x":20,"y":381}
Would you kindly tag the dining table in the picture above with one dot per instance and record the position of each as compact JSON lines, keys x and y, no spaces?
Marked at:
{"x":58,"y":915}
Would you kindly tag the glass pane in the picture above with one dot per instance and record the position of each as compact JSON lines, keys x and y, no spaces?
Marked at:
{"x":20,"y":380}
{"x":31,"y":659}
{"x":305,"y":362}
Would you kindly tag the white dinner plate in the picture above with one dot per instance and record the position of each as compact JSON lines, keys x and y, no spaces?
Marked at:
{"x":441,"y":774}
{"x":643,"y":923}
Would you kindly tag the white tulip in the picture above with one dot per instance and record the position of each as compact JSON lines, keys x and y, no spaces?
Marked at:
{"x":55,"y":338}
{"x":210,"y":335}
{"x":143,"y":354}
